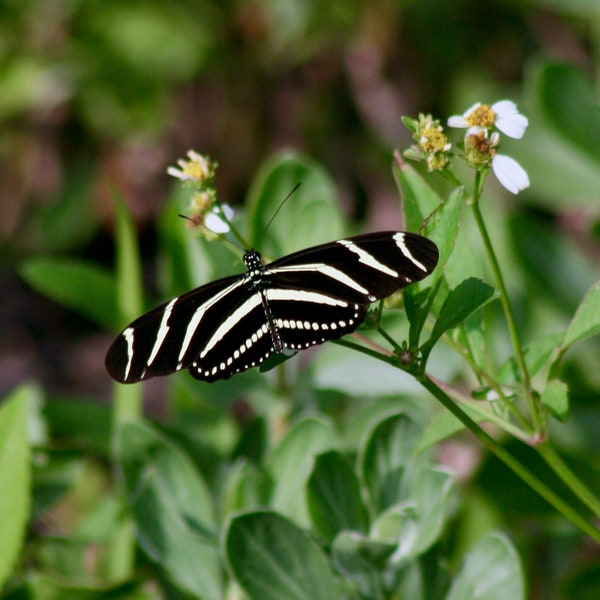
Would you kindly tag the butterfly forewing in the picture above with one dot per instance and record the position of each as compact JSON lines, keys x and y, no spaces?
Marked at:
{"x":360,"y":269}
{"x":300,"y":300}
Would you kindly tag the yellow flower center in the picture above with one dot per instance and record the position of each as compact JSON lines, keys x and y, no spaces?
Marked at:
{"x":196,"y":169}
{"x":432,"y":140}
{"x":479,"y":150}
{"x":483,"y":116}
{"x":202,"y":202}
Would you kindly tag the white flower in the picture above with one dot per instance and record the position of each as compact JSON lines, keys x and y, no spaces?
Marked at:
{"x":510,"y":173}
{"x":196,"y":168}
{"x":502,"y":115}
{"x":215,"y":222}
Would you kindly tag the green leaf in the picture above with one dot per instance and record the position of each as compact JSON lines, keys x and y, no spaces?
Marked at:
{"x":291,"y":463}
{"x":246,"y":486}
{"x":272,"y":559}
{"x":310,"y":216}
{"x":555,"y":398}
{"x":416,"y":524}
{"x":173,"y":510}
{"x":362,"y":561}
{"x":418,"y":199}
{"x":586,"y":321}
{"x":129,"y":269}
{"x":15,"y":475}
{"x":333,"y":497}
{"x":129,"y":303}
{"x":537,"y":356}
{"x":569,"y":102}
{"x":386,"y":454}
{"x":45,"y":587}
{"x":86,"y":424}
{"x":84,"y":287}
{"x":490,"y":571}
{"x":461,"y":302}
{"x":444,"y":425}
{"x":556,"y":269}
{"x":442,"y":226}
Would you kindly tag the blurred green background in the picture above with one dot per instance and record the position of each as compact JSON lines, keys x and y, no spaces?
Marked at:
{"x":100,"y":96}
{"x":97,"y":96}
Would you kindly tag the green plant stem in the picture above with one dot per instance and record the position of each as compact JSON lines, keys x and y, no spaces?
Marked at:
{"x":506,"y":307}
{"x":512,"y":463}
{"x":569,"y":478}
{"x":545,"y":450}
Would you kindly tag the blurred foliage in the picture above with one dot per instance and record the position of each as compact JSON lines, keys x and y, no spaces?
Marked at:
{"x":96,"y":99}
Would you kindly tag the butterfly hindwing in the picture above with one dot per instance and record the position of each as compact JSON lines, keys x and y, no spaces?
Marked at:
{"x":170,"y":337}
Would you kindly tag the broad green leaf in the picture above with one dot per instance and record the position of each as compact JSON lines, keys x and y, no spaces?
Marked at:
{"x":245,"y":487}
{"x":81,"y":286}
{"x":173,"y":510}
{"x":418,"y":199}
{"x":272,"y":559}
{"x":15,"y":475}
{"x":570,"y":104}
{"x":310,"y":216}
{"x":333,"y":497}
{"x":586,"y":321}
{"x":416,"y":524}
{"x":490,"y":571}
{"x":555,"y":398}
{"x":291,"y":462}
{"x":442,"y":226}
{"x":461,"y":302}
{"x":362,"y":561}
{"x":385,"y":458}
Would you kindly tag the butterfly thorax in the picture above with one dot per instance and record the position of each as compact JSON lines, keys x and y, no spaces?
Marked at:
{"x":253,"y":263}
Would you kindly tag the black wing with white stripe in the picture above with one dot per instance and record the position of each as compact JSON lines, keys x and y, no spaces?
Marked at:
{"x":300,"y":300}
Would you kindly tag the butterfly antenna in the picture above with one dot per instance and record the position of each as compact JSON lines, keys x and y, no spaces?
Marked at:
{"x":279,"y":208}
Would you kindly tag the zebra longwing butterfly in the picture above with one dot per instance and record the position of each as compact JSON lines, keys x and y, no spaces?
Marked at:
{"x":300,"y":300}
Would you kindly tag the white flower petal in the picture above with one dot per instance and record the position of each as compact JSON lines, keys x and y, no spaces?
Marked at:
{"x":215,"y":222}
{"x":177,"y":173}
{"x":509,"y":120}
{"x":510,"y":173}
{"x":457,"y":121}
{"x":505,"y":107}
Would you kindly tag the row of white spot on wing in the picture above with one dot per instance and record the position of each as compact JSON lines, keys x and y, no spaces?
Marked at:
{"x":242,"y":349}
{"x":316,"y":326}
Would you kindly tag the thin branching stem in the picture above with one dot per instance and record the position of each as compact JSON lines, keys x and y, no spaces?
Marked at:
{"x":506,"y":306}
